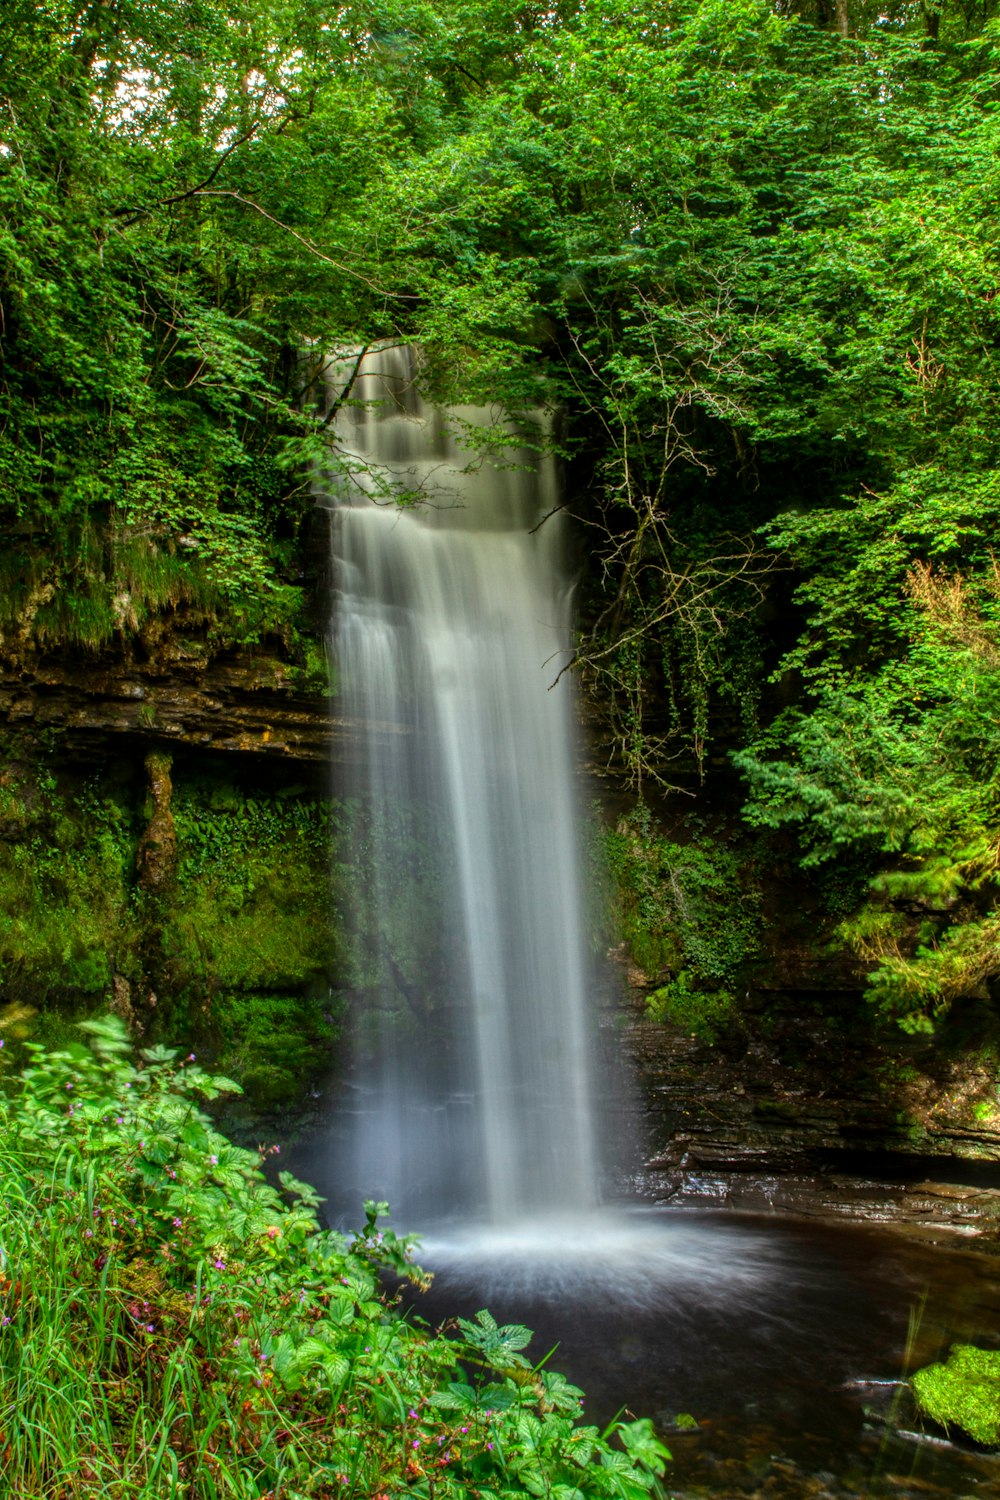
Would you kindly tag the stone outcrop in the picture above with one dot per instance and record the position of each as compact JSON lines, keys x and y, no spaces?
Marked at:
{"x":817,"y":1118}
{"x":180,"y":694}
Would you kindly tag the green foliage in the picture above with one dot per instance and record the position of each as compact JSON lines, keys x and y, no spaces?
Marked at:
{"x":896,"y":761}
{"x":67,"y":904}
{"x":249,"y":938}
{"x":274,"y":1043}
{"x":172,"y":1322}
{"x":705,"y":1014}
{"x":687,"y":909}
{"x":241,"y":950}
{"x":963,"y":1392}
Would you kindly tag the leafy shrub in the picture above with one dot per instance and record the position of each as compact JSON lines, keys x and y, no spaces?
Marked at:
{"x":174,"y":1325}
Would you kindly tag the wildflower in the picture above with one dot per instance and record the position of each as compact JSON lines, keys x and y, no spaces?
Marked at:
{"x":220,"y":1265}
{"x":273,"y":1232}
{"x":490,"y":1446}
{"x":178,"y":1223}
{"x":416,"y":1442}
{"x":150,"y":1328}
{"x":190,"y":1057}
{"x":69,"y":1085}
{"x":412,"y":1413}
{"x":214,"y":1160}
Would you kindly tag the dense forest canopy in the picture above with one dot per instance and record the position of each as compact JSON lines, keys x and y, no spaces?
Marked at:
{"x":748,"y":247}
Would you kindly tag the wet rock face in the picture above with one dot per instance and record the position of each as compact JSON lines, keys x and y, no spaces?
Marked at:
{"x":815,"y":1118}
{"x":176,"y":694}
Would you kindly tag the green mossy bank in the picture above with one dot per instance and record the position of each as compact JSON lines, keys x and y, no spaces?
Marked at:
{"x":212,"y":918}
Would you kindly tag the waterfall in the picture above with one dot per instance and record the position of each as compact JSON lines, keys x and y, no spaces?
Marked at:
{"x":473,"y":1085}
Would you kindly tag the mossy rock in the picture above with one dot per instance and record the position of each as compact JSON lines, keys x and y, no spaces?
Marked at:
{"x":272,"y":1087}
{"x":964,"y":1392}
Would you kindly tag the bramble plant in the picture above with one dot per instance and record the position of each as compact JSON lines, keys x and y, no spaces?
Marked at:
{"x":171,"y":1324}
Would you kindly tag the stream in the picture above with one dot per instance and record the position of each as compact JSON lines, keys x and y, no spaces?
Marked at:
{"x":783,"y":1339}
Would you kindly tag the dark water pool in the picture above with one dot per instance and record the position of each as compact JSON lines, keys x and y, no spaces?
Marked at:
{"x":781,"y":1339}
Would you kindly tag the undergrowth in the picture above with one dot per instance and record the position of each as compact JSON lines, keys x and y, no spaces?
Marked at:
{"x":174,"y":1326}
{"x":689,"y":914}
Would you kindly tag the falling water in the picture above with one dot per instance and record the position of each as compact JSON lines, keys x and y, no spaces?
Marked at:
{"x":474,"y":1092}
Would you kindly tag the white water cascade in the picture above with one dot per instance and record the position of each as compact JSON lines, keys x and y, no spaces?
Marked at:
{"x":473,"y":1091}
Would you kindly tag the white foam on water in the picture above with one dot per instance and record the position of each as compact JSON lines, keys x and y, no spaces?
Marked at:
{"x":631,"y":1259}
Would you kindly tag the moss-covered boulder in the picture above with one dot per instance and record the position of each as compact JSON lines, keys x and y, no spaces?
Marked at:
{"x":963,"y":1392}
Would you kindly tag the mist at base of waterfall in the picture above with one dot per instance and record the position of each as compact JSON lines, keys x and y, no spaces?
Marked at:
{"x":624,"y":1257}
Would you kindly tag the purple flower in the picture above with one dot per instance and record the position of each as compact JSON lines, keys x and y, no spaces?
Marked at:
{"x":220,"y":1265}
{"x":178,"y":1223}
{"x":214,"y":1160}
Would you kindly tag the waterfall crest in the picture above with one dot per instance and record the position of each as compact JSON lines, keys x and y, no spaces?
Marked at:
{"x":474,"y":1077}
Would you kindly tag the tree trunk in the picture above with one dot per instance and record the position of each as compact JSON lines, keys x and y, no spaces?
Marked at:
{"x":932,"y":23}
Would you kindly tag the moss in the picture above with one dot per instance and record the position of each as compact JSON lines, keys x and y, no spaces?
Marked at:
{"x":689,"y":913}
{"x":276,"y":1045}
{"x":252,"y":907}
{"x":66,"y":899}
{"x":238,"y":948}
{"x":963,"y":1392}
{"x":702,"y":1013}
